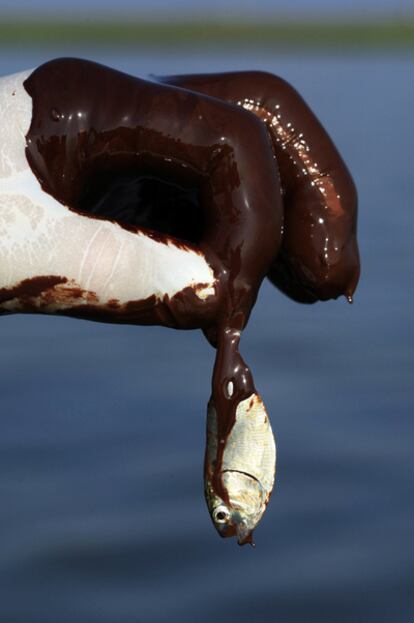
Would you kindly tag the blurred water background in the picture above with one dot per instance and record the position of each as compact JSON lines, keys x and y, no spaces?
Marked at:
{"x":102,"y":516}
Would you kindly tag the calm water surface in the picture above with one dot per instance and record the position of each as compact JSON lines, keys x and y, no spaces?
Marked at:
{"x":102,"y":517}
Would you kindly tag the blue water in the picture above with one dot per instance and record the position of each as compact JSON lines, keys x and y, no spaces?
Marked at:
{"x":102,"y":516}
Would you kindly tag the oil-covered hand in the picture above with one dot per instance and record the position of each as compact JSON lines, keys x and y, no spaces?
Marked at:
{"x":168,"y":201}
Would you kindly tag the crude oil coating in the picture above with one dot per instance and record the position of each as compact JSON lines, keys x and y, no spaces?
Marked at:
{"x":30,"y":288}
{"x":88,"y":118}
{"x":201,"y":159}
{"x":150,"y":311}
{"x":229,"y":366}
{"x":144,"y":202}
{"x":319,"y":256}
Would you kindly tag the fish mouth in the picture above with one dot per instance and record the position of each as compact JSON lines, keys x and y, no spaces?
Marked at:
{"x":244,"y":535}
{"x":239,"y":529}
{"x":242,"y":521}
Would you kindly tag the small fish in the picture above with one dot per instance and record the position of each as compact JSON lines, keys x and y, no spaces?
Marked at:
{"x":239,"y":478}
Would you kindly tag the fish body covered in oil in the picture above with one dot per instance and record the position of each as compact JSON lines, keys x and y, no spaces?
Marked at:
{"x":239,"y":469}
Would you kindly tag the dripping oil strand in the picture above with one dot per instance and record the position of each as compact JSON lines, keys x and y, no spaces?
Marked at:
{"x":232,"y":383}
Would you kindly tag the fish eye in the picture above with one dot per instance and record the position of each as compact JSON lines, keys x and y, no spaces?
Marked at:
{"x":221,"y":514}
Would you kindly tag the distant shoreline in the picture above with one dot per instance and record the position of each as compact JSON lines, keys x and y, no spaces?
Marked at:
{"x":330,"y":35}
